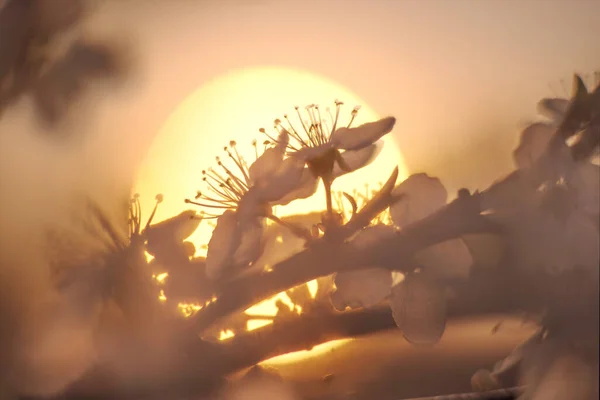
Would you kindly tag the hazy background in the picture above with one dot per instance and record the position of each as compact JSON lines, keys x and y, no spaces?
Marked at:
{"x":460,"y":75}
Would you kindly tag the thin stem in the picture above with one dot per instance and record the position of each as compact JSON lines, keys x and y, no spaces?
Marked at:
{"x":327,"y":181}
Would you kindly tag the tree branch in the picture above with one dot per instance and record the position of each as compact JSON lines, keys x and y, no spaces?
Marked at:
{"x":199,"y":367}
{"x":323,"y":258}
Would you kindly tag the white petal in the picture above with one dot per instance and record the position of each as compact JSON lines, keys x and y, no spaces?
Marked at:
{"x":310,"y":153}
{"x":362,"y":288}
{"x":419,"y":309}
{"x":286,"y":179}
{"x":177,"y":228}
{"x":533,"y":142}
{"x":356,"y":159}
{"x":270,"y":161}
{"x":421,"y":195}
{"x":224,"y":241}
{"x":450,"y":259}
{"x":307,"y":187}
{"x":586,"y":181}
{"x":554,"y":109}
{"x":250,"y":246}
{"x":363,"y":135}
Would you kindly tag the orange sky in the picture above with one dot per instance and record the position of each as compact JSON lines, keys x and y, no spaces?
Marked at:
{"x":459,"y":75}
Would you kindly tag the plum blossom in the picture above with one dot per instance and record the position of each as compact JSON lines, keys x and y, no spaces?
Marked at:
{"x":583,"y":177}
{"x":418,"y":298}
{"x":164,"y":240}
{"x":556,"y":228}
{"x":553,"y":249}
{"x":244,"y":195}
{"x":328,"y":149}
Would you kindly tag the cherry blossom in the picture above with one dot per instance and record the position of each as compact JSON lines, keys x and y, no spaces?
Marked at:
{"x":328,"y":149}
{"x":244,"y":194}
{"x":555,"y":226}
{"x":418,"y":301}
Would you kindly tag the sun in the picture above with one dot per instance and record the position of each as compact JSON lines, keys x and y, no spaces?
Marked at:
{"x":234,"y":106}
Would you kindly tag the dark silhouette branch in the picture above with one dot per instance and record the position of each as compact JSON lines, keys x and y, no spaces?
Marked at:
{"x":201,"y":365}
{"x":461,"y":217}
{"x":500,"y":394}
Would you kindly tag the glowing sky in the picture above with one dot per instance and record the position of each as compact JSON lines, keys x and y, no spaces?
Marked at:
{"x":459,"y":75}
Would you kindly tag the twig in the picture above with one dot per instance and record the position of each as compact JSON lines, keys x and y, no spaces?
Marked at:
{"x":203,"y":364}
{"x":459,"y":218}
{"x":499,"y":394}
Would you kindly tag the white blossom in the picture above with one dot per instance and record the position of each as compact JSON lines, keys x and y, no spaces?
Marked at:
{"x":418,"y":301}
{"x":418,"y":197}
{"x":245,"y":196}
{"x":328,"y":149}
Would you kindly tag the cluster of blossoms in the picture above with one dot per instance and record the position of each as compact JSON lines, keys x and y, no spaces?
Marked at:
{"x":288,"y":168}
{"x":548,"y":212}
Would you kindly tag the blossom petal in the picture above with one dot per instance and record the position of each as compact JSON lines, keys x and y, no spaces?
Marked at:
{"x":363,"y":135}
{"x":176,"y":229}
{"x":419,"y":309}
{"x":269,"y":161}
{"x":418,"y":196}
{"x":286,"y":179}
{"x":533,"y":142}
{"x":554,"y":108}
{"x":450,"y":259}
{"x":224,"y":241}
{"x":250,"y":247}
{"x":307,"y":187}
{"x":356,"y":159}
{"x":363,"y":288}
{"x":310,"y":153}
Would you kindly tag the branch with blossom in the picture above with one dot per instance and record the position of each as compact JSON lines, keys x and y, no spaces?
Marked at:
{"x":540,"y":222}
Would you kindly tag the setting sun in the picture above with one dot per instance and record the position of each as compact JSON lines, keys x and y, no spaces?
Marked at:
{"x":234,"y":107}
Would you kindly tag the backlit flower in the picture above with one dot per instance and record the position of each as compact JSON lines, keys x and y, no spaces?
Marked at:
{"x":328,"y":149}
{"x":418,"y":301}
{"x":242,"y":196}
{"x":552,"y":225}
{"x":580,"y":114}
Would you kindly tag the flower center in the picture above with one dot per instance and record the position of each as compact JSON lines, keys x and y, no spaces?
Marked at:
{"x":316,"y":127}
{"x":322,"y":166}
